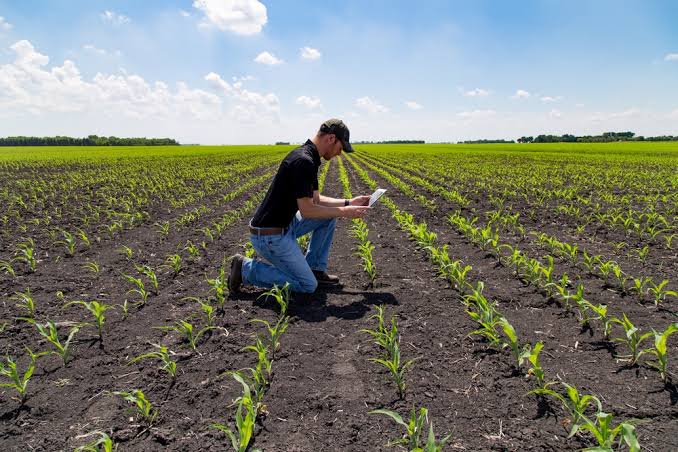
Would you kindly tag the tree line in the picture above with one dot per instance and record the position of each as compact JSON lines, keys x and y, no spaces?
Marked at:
{"x":604,"y":138}
{"x":91,"y":140}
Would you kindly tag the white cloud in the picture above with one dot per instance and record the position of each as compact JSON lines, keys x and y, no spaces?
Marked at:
{"x":94,"y":49}
{"x":673,"y":115}
{"x":4,"y":25}
{"x":249,"y":105}
{"x":412,"y":105}
{"x":115,"y":18}
{"x":27,"y":86}
{"x":309,"y":53}
{"x":268,"y":59}
{"x":184,"y":13}
{"x":478,"y":92}
{"x":244,"y":78}
{"x":550,"y":98}
{"x":521,"y":94}
{"x":603,"y":117}
{"x":370,"y":105}
{"x":477,"y":114}
{"x":555,"y":114}
{"x":309,"y":102}
{"x":242,"y":17}
{"x":671,"y":57}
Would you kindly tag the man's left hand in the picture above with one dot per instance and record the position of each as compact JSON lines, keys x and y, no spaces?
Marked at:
{"x":360,"y":201}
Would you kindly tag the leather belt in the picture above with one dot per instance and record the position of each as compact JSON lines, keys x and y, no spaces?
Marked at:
{"x":266,"y":231}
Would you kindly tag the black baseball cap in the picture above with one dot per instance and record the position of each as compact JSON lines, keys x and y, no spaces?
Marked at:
{"x":339,"y":129}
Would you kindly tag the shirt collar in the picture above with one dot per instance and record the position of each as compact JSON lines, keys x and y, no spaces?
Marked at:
{"x":314,"y":152}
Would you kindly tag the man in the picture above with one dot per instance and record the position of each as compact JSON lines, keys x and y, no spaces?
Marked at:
{"x":293,"y":207}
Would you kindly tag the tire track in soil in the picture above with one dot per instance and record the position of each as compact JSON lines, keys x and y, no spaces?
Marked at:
{"x":577,"y":358}
{"x":324,"y":386}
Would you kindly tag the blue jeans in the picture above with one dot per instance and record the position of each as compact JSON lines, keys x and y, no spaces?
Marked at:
{"x":286,"y":262}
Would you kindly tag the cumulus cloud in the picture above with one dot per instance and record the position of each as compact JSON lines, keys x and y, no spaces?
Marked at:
{"x":28,"y":86}
{"x":370,"y":105}
{"x":309,"y":102}
{"x":268,"y":59}
{"x":242,"y":17}
{"x":309,"y":53}
{"x":249,"y":105}
{"x":4,"y":25}
{"x":115,"y":18}
{"x":476,"y":114}
{"x":478,"y":92}
{"x":550,"y":98}
{"x":671,"y":57}
{"x":521,"y":94}
{"x":412,"y":105}
{"x":94,"y":49}
{"x":184,"y":13}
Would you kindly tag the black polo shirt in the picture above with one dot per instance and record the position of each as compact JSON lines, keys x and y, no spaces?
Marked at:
{"x":297,"y":177}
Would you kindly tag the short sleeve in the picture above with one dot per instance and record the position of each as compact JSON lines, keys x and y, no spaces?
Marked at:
{"x":304,"y":179}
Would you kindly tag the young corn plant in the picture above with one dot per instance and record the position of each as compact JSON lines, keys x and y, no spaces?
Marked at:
{"x":26,"y":302}
{"x":49,"y":332}
{"x":632,"y":338}
{"x":574,"y":403}
{"x":94,"y":267}
{"x":97,"y":310}
{"x":639,"y":285}
{"x":163,"y":228}
{"x":659,"y":351}
{"x":281,"y":295}
{"x":26,"y":254}
{"x":18,"y":382}
{"x":193,"y":250}
{"x":245,"y":418}
{"x":415,"y":429}
{"x":163,"y":355}
{"x":103,"y":443}
{"x":606,"y":436}
{"x":483,"y":312}
{"x":274,"y":332}
{"x":206,"y":309}
{"x":68,"y":242}
{"x":531,"y":354}
{"x":364,"y":251}
{"x":188,"y":331}
{"x":150,"y":274}
{"x":659,"y":294}
{"x":219,"y":286}
{"x":511,"y":341}
{"x":173,"y":262}
{"x":7,"y":268}
{"x":143,"y":408}
{"x":139,"y":288}
{"x":126,"y":251}
{"x":83,"y":236}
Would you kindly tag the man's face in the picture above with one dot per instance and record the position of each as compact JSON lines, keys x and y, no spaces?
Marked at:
{"x":335,"y":147}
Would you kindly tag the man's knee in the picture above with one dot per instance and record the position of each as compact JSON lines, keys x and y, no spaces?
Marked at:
{"x":308,"y":285}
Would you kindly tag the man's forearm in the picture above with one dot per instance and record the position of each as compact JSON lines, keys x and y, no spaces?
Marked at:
{"x":326,"y":201}
{"x":318,"y":211}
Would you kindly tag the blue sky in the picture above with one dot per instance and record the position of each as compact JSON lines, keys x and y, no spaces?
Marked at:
{"x":232,"y":71}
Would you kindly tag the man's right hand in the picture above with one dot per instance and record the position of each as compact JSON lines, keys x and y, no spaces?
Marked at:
{"x":355,"y":211}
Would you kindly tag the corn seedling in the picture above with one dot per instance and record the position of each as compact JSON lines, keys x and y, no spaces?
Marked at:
{"x":639,"y":285}
{"x":206,"y":309}
{"x":83,"y":236}
{"x":281,"y":295}
{"x":659,"y":350}
{"x":150,"y":274}
{"x":249,"y":251}
{"x":365,"y":253}
{"x":97,"y":310}
{"x":188,"y":331}
{"x":274,"y":331}
{"x":531,"y":354}
{"x":622,"y":279}
{"x":26,"y":254}
{"x":68,"y":242}
{"x":163,"y":228}
{"x":606,"y":436}
{"x":483,"y":312}
{"x":103,"y":443}
{"x":219,"y":286}
{"x":659,"y":294}
{"x":511,"y":341}
{"x":26,"y":302}
{"x":632,"y":338}
{"x":93,"y":267}
{"x":142,"y":406}
{"x":6,"y":267}
{"x":140,"y":288}
{"x":49,"y":332}
{"x":162,"y":355}
{"x":173,"y":262}
{"x":574,"y":403}
{"x":245,"y":418}
{"x":413,"y":439}
{"x":19,"y":382}
{"x":643,"y":253}
{"x":126,"y":251}
{"x":193,"y":250}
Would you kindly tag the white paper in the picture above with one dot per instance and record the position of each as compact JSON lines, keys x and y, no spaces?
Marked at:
{"x":376,"y":195}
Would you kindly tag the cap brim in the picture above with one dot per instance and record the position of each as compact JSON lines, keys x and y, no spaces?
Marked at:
{"x":347,"y":146}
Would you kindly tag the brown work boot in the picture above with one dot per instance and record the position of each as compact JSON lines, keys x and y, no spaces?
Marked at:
{"x":324,"y":279}
{"x":235,"y":277}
